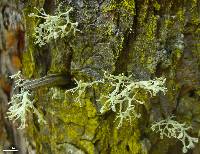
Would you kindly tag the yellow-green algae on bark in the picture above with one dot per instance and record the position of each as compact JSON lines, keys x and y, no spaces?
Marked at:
{"x":156,"y":32}
{"x":28,"y":59}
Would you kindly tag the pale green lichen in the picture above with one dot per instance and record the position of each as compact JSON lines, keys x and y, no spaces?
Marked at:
{"x":173,"y":129}
{"x":54,"y":26}
{"x":123,"y":96}
{"x":21,"y":103}
{"x":81,"y":88}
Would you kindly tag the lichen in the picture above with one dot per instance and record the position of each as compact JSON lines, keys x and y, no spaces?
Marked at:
{"x":155,"y":33}
{"x":55,"y":26}
{"x":173,"y":129}
{"x":22,"y":103}
{"x":81,"y":88}
{"x":123,"y":94}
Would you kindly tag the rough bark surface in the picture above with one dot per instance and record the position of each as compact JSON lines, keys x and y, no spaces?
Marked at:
{"x":145,"y":38}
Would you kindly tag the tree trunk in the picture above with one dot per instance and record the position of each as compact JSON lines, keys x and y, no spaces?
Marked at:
{"x":142,"y":38}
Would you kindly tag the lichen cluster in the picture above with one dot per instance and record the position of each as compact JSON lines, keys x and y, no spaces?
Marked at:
{"x":22,"y":103}
{"x":155,"y":36}
{"x":81,"y":88}
{"x":173,"y":129}
{"x":54,"y":26}
{"x":123,"y":96}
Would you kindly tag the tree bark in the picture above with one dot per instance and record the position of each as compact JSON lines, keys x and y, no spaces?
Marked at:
{"x":142,"y":38}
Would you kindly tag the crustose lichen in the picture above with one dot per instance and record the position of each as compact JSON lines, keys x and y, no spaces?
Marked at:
{"x":54,"y":26}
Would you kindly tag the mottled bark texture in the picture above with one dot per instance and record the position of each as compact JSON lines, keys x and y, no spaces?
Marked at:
{"x":145,"y":38}
{"x":12,"y":38}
